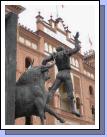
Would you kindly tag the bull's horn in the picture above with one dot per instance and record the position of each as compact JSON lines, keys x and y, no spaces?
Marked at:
{"x":45,"y":68}
{"x":49,"y":65}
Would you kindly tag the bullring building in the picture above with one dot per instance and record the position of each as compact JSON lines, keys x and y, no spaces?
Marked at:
{"x":41,"y":43}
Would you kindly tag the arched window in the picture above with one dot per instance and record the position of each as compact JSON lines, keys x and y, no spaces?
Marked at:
{"x":78,"y":104}
{"x":46,"y":47}
{"x":76,"y":63}
{"x":54,"y":49}
{"x":92,"y":76}
{"x":50,"y":49}
{"x":88,"y":74}
{"x":34,"y":46}
{"x":91,"y":92}
{"x":73,"y":61}
{"x":77,"y":86}
{"x":21,"y":39}
{"x":27,"y":62}
{"x":28,"y":43}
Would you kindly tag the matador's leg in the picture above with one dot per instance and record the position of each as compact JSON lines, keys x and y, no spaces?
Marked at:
{"x":69,"y":89}
{"x":53,"y":89}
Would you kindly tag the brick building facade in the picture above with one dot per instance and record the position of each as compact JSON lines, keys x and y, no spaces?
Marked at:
{"x":39,"y":44}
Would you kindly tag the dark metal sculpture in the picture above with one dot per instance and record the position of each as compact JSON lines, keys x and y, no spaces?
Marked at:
{"x":31,"y":96}
{"x":62,"y":60}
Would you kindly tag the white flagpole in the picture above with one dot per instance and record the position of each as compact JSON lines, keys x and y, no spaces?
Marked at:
{"x":57,"y":11}
{"x":89,"y":39}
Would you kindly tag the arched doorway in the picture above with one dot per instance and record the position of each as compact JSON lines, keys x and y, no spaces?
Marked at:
{"x":93,"y":112}
{"x":91,"y":91}
{"x":28,"y":62}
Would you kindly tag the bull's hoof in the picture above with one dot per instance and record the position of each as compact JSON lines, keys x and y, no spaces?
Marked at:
{"x":62,"y":121}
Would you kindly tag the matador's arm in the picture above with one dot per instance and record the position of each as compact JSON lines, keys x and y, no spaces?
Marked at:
{"x":47,"y":59}
{"x":77,"y":46}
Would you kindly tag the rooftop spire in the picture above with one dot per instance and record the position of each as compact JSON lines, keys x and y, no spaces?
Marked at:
{"x":39,"y":17}
{"x":51,"y":16}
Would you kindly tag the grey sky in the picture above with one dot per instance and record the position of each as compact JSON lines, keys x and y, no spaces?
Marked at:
{"x":78,"y":18}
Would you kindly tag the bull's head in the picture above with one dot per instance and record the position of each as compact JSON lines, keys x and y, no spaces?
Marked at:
{"x":35,"y":74}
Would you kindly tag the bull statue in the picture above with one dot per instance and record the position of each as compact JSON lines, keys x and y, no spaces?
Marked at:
{"x":31,"y":96}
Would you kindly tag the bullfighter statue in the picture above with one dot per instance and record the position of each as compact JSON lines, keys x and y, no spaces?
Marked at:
{"x":62,"y":61}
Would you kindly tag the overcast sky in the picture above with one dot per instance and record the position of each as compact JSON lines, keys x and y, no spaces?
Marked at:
{"x":78,"y":18}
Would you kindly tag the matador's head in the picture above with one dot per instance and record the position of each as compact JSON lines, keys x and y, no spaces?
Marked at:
{"x":60,"y":48}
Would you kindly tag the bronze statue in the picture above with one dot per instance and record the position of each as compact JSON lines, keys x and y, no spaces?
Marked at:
{"x":62,"y":60}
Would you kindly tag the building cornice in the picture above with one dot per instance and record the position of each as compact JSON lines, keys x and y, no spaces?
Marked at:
{"x":17,"y":9}
{"x":28,"y":32}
